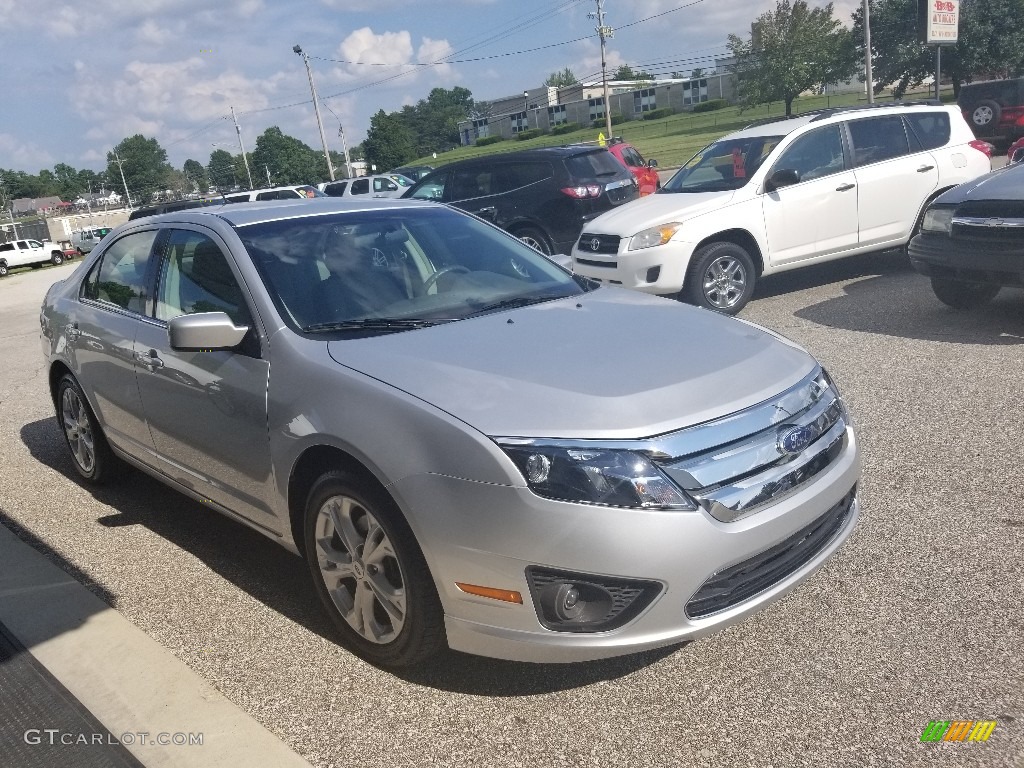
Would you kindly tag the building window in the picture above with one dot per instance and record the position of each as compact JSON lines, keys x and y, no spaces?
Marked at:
{"x":596,"y":108}
{"x":556,"y":115}
{"x":519,"y":122}
{"x":480,"y":128}
{"x":644,"y":101}
{"x":695,"y":91}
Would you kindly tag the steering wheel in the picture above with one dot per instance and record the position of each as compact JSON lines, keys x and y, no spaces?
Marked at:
{"x":443,"y":271}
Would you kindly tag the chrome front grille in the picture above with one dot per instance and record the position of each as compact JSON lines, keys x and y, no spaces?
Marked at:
{"x":735,"y":466}
{"x":593,"y":243}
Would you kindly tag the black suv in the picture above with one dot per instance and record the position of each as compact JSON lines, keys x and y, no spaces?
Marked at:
{"x":542,"y":196}
{"x":994,"y":108}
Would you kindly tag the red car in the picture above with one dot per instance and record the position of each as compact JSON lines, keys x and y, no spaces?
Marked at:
{"x":645,"y":171}
{"x":1015,"y":153}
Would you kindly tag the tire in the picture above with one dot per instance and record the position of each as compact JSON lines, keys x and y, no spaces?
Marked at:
{"x":960,"y":294}
{"x":721,"y":277}
{"x":56,"y":259}
{"x":400,"y":621}
{"x":3,"y":269}
{"x":90,"y":452}
{"x":534,"y":238}
{"x":985,"y":115}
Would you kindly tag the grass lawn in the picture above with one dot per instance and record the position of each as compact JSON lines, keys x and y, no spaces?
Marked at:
{"x":671,"y":140}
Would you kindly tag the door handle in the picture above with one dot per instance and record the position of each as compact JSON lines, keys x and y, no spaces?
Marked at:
{"x":71,"y":331}
{"x":845,"y":187}
{"x":149,"y":359}
{"x":489,"y":210}
{"x":926,"y":168}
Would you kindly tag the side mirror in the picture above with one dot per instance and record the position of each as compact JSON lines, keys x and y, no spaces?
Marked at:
{"x":784,"y":177}
{"x":1018,"y":155}
{"x":562,"y":260}
{"x":652,"y":163}
{"x":205,"y":331}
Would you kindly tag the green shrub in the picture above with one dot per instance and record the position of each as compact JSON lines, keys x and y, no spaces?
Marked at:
{"x":532,"y":133}
{"x":564,"y":128}
{"x":710,"y":106}
{"x":483,"y":141}
{"x":657,"y":114}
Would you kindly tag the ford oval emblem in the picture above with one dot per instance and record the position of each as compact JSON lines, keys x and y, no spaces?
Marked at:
{"x":595,"y":244}
{"x":793,"y":441}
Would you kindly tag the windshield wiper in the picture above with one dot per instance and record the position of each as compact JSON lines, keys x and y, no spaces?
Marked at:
{"x":513,"y":303}
{"x":372,"y":324}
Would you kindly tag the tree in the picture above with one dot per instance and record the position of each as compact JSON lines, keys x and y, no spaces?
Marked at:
{"x":991,"y":40}
{"x":792,"y":49}
{"x":696,"y":73}
{"x":222,"y":170}
{"x":389,"y":142}
{"x":288,"y":159}
{"x":195,"y":172}
{"x":560,"y":79}
{"x":626,"y":72}
{"x":143,"y":162}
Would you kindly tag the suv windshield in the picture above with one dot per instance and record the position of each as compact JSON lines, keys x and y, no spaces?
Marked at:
{"x":387,"y":270}
{"x":725,"y":165}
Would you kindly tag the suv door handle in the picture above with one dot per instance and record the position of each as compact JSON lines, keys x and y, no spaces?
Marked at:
{"x":845,"y":187}
{"x":926,"y":168}
{"x":149,"y":359}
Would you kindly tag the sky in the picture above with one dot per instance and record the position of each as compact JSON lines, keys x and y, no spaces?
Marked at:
{"x":77,"y":78}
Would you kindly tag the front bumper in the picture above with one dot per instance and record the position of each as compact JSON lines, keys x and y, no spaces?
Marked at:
{"x":995,"y":260}
{"x":659,"y":270}
{"x":488,"y":535}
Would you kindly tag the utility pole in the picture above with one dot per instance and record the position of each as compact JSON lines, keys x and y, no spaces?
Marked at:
{"x":867,"y":51}
{"x":10,"y":211}
{"x":316,"y":108}
{"x":605,"y":33}
{"x":267,"y":169}
{"x":242,"y":147}
{"x":127,"y":197}
{"x":344,"y":147}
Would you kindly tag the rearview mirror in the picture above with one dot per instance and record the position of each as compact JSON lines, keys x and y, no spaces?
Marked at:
{"x":784,"y":177}
{"x":205,"y":331}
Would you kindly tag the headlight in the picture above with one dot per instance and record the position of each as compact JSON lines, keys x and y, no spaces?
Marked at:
{"x":612,"y":477}
{"x":658,"y":235}
{"x":937,"y":219}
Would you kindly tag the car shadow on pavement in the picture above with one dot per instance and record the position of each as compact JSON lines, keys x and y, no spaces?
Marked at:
{"x":891,"y":262}
{"x":281,"y":580}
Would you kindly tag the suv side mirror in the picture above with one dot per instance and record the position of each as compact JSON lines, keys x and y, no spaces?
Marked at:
{"x":1018,"y":156}
{"x":205,"y":331}
{"x":652,"y":163}
{"x":784,"y":177}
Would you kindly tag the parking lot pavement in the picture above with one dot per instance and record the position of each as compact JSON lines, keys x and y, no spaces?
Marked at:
{"x":918,"y":618}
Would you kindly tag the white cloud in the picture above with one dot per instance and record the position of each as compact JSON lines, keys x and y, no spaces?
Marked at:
{"x":19,"y":154}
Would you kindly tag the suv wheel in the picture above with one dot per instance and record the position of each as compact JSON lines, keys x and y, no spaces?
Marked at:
{"x":56,"y":258}
{"x":534,"y":238}
{"x":3,"y":269}
{"x":370,"y":574}
{"x":960,"y":294}
{"x":721,"y":277}
{"x":986,"y":114}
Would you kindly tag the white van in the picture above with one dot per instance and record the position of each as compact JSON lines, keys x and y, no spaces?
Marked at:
{"x":84,"y":240}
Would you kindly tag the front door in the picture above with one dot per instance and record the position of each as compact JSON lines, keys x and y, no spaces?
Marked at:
{"x":207,"y":410}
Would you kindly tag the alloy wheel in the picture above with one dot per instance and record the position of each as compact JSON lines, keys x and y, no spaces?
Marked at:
{"x":725,"y":281}
{"x":360,"y":569}
{"x":983,"y":115}
{"x":78,"y":429}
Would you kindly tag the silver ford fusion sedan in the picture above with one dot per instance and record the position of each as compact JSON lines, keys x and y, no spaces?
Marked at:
{"x":470,"y":446}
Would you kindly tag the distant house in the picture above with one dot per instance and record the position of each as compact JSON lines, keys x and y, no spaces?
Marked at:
{"x":89,"y":199}
{"x":43,"y":205}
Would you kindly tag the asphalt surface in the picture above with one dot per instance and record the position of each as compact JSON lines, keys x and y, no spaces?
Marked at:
{"x":917,"y":618}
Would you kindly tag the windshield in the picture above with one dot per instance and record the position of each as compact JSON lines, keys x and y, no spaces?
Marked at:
{"x":725,"y":165}
{"x":390,"y":270}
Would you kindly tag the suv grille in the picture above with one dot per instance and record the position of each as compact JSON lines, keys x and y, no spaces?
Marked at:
{"x":605,"y":243}
{"x":751,"y":577}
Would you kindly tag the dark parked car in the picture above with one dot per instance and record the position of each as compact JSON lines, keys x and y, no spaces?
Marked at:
{"x":994,"y":108}
{"x":542,"y":196}
{"x":972,"y":239}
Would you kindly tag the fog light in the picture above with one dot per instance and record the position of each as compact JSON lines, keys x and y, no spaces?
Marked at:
{"x":570,"y":602}
{"x":653,"y":274}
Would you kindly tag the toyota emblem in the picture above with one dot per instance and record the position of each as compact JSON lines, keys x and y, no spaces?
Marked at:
{"x":595,"y":244}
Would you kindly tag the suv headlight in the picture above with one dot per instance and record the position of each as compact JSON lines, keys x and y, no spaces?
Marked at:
{"x":595,"y":475}
{"x":937,"y":219}
{"x":658,"y":235}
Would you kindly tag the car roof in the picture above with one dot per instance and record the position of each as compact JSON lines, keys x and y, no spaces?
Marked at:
{"x":243,"y":214}
{"x":775,"y":126}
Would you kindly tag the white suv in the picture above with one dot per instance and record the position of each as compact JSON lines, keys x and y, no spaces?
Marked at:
{"x":23,"y":253}
{"x":782,"y":194}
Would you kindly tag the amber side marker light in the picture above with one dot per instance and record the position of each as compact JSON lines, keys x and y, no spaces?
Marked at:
{"x":505,"y":595}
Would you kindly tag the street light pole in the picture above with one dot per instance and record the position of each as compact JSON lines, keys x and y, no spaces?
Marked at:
{"x":242,"y":147}
{"x":605,"y":33}
{"x":127,"y":197}
{"x":867,"y":51}
{"x":316,"y":108}
{"x":526,"y":108}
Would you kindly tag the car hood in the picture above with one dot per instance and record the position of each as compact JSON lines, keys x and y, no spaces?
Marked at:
{"x":1002,"y":184}
{"x":608,"y":364}
{"x":650,"y":211}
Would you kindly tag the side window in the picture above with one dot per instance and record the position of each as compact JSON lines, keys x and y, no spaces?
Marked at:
{"x":237,"y":198}
{"x":878,"y":138}
{"x":7,"y":247}
{"x":472,"y":182}
{"x":195,"y":277}
{"x":360,"y":187}
{"x":433,"y":189}
{"x":632,"y":157}
{"x":815,"y":154}
{"x":931,"y":128}
{"x":22,"y":245}
{"x":336,"y":190}
{"x":119,"y":278}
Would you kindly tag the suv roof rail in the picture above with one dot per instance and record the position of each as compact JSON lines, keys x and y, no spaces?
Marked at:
{"x":821,"y":114}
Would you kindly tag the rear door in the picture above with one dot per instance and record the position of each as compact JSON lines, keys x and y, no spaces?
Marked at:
{"x":894,"y":178}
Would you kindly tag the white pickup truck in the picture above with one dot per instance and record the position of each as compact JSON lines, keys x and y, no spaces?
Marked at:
{"x":23,"y":253}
